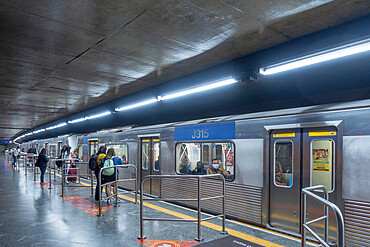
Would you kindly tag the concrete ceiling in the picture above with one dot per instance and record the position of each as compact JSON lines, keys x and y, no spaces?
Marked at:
{"x":63,"y":56}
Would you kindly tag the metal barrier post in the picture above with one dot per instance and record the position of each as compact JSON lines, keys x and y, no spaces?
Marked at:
{"x":339,"y":217}
{"x":303,"y":219}
{"x":198,"y":199}
{"x":63,"y":178}
{"x":115,"y":184}
{"x":92,"y":183}
{"x":141,"y":211}
{"x":199,"y":208}
{"x":223,"y":206}
{"x":34,"y":170}
{"x":78,"y":167}
{"x":50,"y":161}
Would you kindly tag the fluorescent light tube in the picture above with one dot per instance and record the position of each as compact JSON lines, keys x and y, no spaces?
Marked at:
{"x":217,"y":84}
{"x":98,"y":115}
{"x":147,"y":102}
{"x":77,"y":120}
{"x":38,"y":131}
{"x":28,"y":134}
{"x":56,"y":126}
{"x":319,"y":57}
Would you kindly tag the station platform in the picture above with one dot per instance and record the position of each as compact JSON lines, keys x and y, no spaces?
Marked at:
{"x":34,"y":215}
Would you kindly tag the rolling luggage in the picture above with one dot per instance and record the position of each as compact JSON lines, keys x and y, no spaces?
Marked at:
{"x":72,"y":171}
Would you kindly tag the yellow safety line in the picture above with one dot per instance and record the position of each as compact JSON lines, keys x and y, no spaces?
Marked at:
{"x":208,"y":224}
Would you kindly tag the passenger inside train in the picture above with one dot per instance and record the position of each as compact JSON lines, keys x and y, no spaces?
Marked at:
{"x":216,"y":169}
{"x":196,"y":158}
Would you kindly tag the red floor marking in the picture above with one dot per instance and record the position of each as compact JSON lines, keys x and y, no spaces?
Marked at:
{"x":166,"y":243}
{"x":46,"y":184}
{"x":84,"y":205}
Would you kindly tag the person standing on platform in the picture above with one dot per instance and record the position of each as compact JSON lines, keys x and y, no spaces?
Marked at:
{"x":65,"y":154}
{"x":42,"y":161}
{"x":107,"y":178}
{"x":15,"y":155}
{"x":100,"y":156}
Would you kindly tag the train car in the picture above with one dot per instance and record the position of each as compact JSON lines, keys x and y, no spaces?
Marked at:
{"x":268,"y":158}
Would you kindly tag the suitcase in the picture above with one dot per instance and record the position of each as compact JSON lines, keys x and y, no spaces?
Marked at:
{"x":72,"y":171}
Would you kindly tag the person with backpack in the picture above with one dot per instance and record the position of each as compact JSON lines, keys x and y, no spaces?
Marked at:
{"x":15,"y":156}
{"x":42,"y":161}
{"x":109,"y":175}
{"x":95,"y":165}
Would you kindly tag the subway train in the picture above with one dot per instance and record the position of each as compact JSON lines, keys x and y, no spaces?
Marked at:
{"x":269,"y":157}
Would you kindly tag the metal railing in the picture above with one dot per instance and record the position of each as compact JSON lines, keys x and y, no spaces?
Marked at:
{"x":77,"y":167}
{"x":115,"y":182}
{"x":198,"y":199}
{"x":31,"y":161}
{"x":327,"y":204}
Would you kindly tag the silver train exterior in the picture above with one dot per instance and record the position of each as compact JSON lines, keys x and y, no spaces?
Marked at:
{"x":314,"y":145}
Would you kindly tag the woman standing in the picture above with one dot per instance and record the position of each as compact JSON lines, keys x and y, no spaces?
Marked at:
{"x":110,"y":178}
{"x":100,"y":156}
{"x":42,"y":161}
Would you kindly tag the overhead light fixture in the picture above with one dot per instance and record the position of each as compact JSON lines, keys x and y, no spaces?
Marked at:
{"x":77,"y":120}
{"x":215,"y":84}
{"x":38,"y":131}
{"x":342,"y":51}
{"x":219,"y":83}
{"x":147,"y":102}
{"x":98,"y":115}
{"x":56,"y":126}
{"x":28,"y":134}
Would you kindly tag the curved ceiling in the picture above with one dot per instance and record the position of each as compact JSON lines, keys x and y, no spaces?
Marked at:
{"x":61,"y":57}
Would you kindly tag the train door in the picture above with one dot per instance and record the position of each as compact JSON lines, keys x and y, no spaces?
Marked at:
{"x":285,"y":179}
{"x":150,"y":163}
{"x":47,"y":148}
{"x":300,"y":158}
{"x":59,"y":148}
{"x":93,"y":147}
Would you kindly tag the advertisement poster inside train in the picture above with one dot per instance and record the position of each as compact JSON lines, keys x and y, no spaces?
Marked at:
{"x":320,"y":159}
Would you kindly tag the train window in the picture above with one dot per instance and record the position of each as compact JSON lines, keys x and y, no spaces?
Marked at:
{"x":283,"y":163}
{"x":121,"y":150}
{"x":196,"y":158}
{"x":53,"y":151}
{"x":80,"y":152}
{"x":205,"y":154}
{"x":322,"y":163}
{"x":156,"y":156}
{"x":145,"y":155}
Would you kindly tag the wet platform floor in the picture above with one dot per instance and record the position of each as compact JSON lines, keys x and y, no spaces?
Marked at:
{"x":33,"y":215}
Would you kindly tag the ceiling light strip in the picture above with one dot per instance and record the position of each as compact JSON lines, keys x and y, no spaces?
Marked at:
{"x":77,"y":120}
{"x":342,"y":51}
{"x":216,"y":84}
{"x":147,"y":102}
{"x":221,"y":83}
{"x":99,"y":115}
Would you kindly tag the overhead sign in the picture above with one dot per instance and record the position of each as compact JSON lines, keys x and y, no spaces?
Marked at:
{"x":214,"y":131}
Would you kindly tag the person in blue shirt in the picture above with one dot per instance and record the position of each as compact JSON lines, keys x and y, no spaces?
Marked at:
{"x":42,"y":163}
{"x":110,"y":157}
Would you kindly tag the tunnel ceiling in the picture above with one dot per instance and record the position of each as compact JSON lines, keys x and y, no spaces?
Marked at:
{"x":61,"y":57}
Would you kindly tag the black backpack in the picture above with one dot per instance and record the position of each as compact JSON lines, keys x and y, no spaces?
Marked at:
{"x":59,"y":163}
{"x":93,"y":162}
